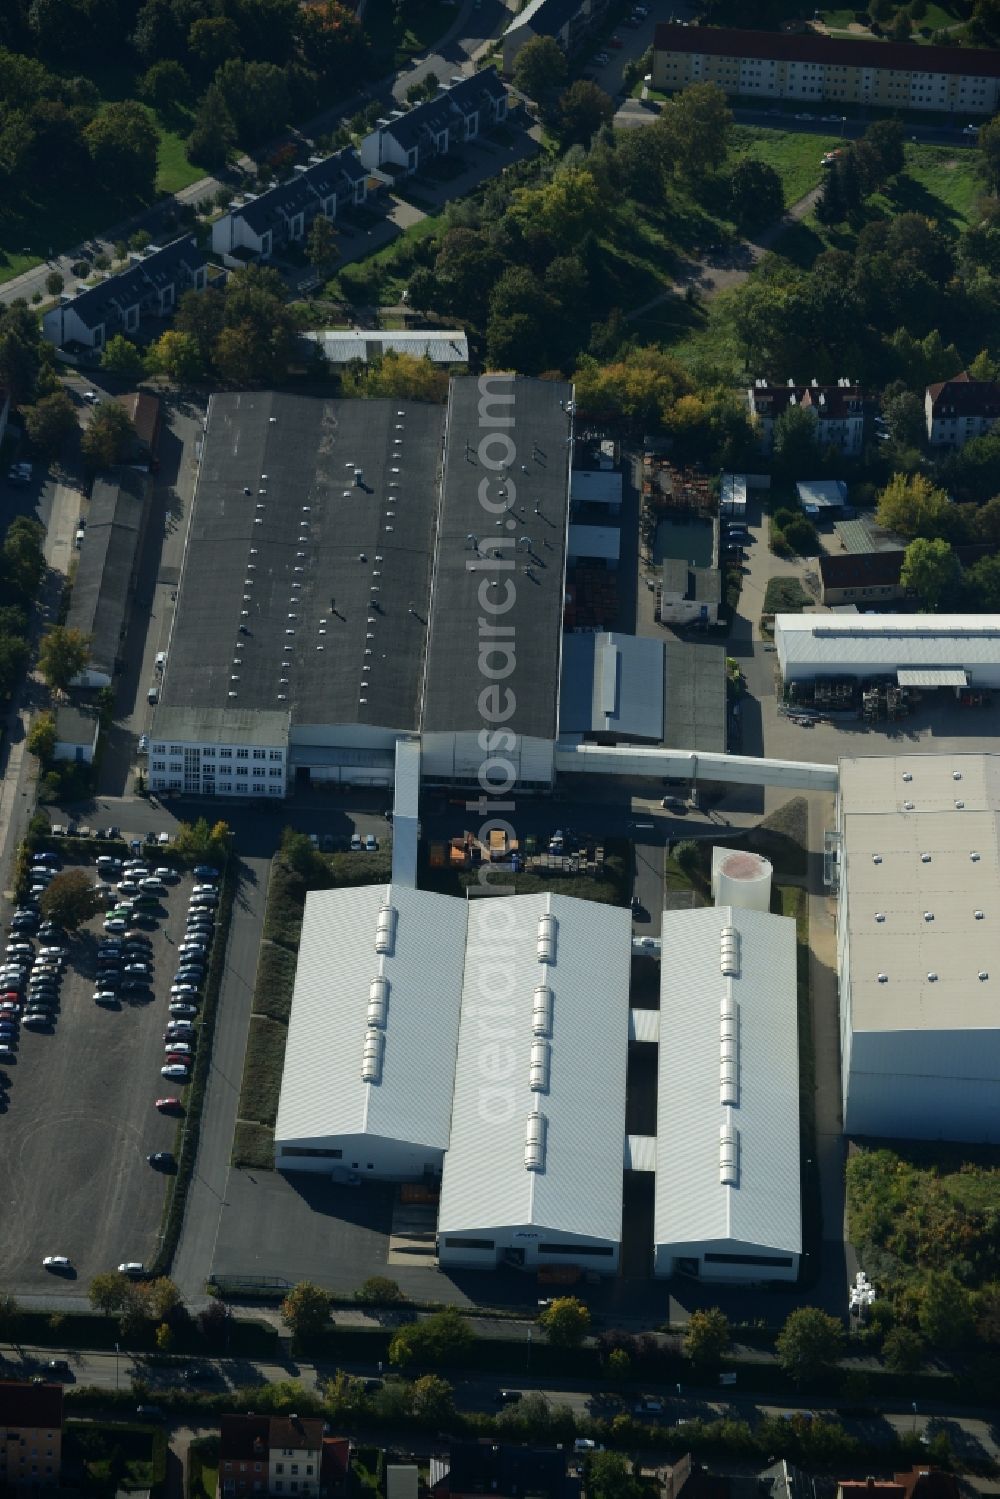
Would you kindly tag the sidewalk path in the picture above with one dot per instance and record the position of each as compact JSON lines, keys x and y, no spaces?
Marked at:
{"x":710,"y":277}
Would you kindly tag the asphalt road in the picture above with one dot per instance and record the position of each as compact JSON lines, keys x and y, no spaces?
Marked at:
{"x":973,"y":1436}
{"x":80,"y":1122}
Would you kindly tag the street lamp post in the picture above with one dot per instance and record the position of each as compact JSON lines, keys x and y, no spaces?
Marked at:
{"x":117,"y":1350}
{"x":529,"y":1351}
{"x":914,"y":1418}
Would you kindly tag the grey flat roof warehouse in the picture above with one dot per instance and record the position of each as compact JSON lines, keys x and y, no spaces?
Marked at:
{"x":531,"y":421}
{"x":309,"y":594}
{"x":328,"y":572}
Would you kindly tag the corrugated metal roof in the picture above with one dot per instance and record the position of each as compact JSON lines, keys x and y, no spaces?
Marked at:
{"x":405,"y":809}
{"x":441,"y":346}
{"x":919,"y":858}
{"x":612,"y":684}
{"x":322,"y":1093}
{"x":644,"y":1025}
{"x":598,"y":486}
{"x":691,"y":1204}
{"x":943,"y":677}
{"x":485,"y":1183}
{"x":640,"y":1153}
{"x":887,"y":641}
{"x":821,"y":493}
{"x":595,"y":541}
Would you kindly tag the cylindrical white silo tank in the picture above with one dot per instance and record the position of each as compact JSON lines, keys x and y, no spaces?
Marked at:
{"x":741,"y":879}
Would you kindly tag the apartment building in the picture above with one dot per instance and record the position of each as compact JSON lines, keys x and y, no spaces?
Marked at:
{"x":838,"y":409}
{"x":819,"y":69}
{"x":31,"y":1418}
{"x":276,"y":1455}
{"x":960,"y":409}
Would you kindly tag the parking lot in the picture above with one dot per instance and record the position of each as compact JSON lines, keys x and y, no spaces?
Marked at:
{"x":80,"y":1116}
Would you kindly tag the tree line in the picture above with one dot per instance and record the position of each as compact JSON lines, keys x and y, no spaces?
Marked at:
{"x":225,"y":73}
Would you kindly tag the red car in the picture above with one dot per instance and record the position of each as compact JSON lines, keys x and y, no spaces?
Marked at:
{"x":168,"y":1105}
{"x":178,"y":1059}
{"x":615,"y":41}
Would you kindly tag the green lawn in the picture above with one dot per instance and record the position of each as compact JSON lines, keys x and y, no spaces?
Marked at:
{"x":794,"y":155}
{"x":938,"y":181}
{"x":174,"y":170}
{"x":840,"y":17}
{"x":701,"y":339}
{"x":945,"y":184}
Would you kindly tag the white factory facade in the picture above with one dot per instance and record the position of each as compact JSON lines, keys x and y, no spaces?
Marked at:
{"x":483,"y":1046}
{"x":918,"y":935}
{"x":914,"y":650}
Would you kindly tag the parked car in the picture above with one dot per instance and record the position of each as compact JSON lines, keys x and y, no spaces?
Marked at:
{"x":206,"y":872}
{"x":177,"y":1071}
{"x":163,"y":1159}
{"x":371,"y":843}
{"x":181,"y":1009}
{"x":132,"y":1267}
{"x":168,"y":1105}
{"x":57,"y":1262}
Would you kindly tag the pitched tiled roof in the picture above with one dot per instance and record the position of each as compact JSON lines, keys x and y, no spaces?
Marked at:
{"x":928,"y":1483}
{"x":297,"y":1431}
{"x":243,"y":1438}
{"x":335,"y":1460}
{"x":810,"y":46}
{"x":23,"y":1404}
{"x":831,"y":401}
{"x":964,"y":396}
{"x":882,"y":569}
{"x":861,"y":570}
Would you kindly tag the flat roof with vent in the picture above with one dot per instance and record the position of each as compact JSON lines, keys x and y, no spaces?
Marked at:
{"x":920,"y":891}
{"x":374,"y":1021}
{"x":886,"y":642}
{"x":308,"y":594}
{"x":727,"y":1132}
{"x":567,"y":1054}
{"x":500,"y":428}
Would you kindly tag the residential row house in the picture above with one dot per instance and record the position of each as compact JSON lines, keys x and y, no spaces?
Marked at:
{"x":134,"y":301}
{"x":407,"y":140}
{"x":281,"y":1455}
{"x":567,"y":22}
{"x":921,"y":1482}
{"x":960,"y":409}
{"x":31,"y":1421}
{"x":818,"y":69}
{"x":838,"y":409}
{"x":259,"y":225}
